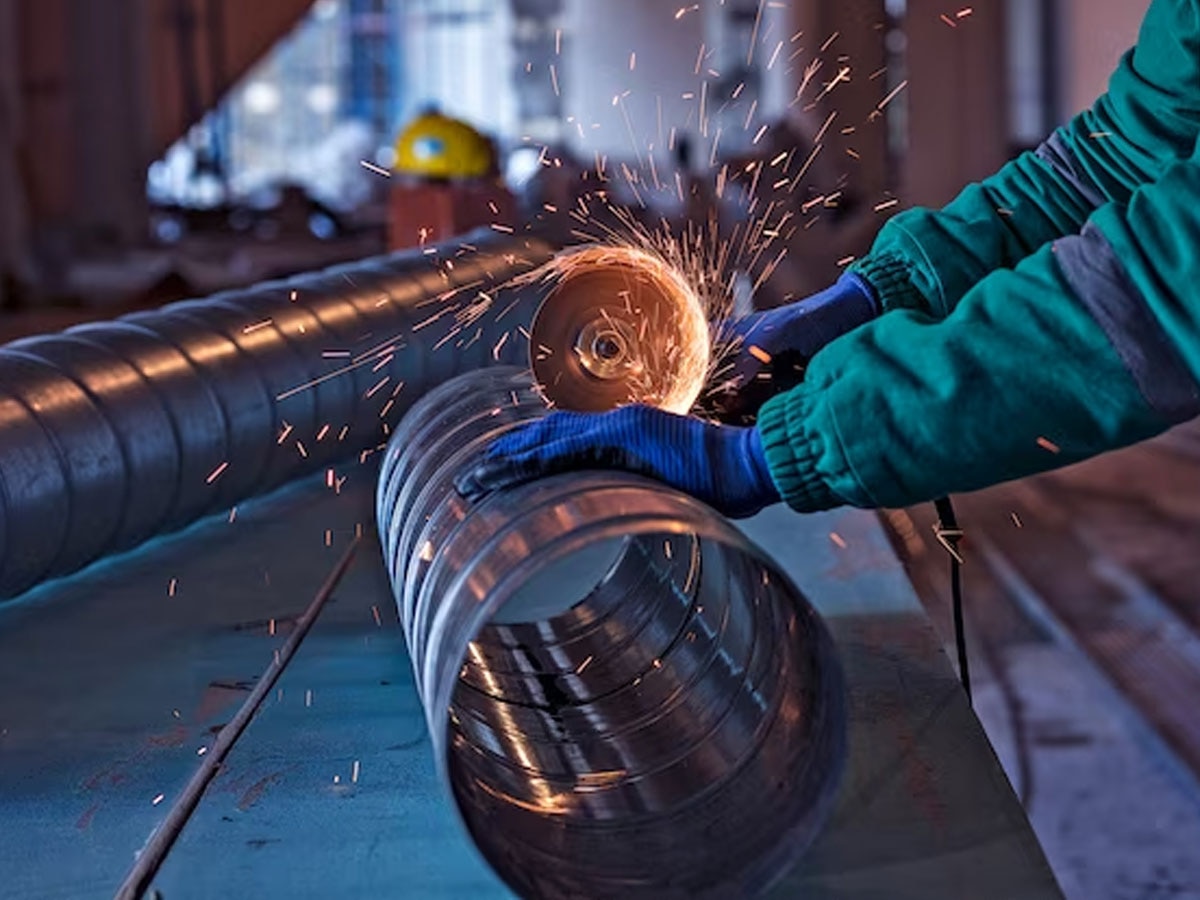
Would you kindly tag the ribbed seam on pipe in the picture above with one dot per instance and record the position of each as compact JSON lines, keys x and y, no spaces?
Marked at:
{"x":114,"y":432}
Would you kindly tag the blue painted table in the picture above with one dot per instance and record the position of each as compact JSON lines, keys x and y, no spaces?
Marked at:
{"x":113,"y":684}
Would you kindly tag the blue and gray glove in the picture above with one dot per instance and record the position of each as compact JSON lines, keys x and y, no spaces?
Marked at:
{"x":722,"y":466}
{"x":773,"y":347}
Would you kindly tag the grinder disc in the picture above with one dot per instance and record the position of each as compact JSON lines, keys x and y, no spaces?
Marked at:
{"x":620,"y":327}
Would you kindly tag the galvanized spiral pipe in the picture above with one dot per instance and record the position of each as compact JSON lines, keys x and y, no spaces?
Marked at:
{"x":625,"y":697}
{"x":113,"y":432}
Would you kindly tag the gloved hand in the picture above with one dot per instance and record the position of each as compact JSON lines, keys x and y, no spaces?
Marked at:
{"x":723,"y":466}
{"x":772,"y":348}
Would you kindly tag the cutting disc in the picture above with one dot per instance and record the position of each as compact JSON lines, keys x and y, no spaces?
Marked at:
{"x":621,"y":326}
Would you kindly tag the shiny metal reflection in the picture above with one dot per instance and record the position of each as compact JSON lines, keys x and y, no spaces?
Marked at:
{"x":113,"y":432}
{"x":625,"y":697}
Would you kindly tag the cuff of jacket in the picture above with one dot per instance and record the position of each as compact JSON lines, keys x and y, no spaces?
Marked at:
{"x":891,"y":276}
{"x":792,"y":449}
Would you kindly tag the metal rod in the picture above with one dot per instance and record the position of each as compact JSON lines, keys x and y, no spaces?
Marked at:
{"x":151,"y":857}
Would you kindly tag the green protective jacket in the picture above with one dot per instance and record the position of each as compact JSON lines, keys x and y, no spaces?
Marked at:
{"x":1047,"y":314}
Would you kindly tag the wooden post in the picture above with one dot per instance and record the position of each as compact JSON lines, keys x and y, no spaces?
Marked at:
{"x":957,"y":101}
{"x":14,"y":233}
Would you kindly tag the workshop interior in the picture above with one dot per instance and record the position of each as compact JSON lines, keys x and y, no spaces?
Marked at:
{"x":276,"y":281}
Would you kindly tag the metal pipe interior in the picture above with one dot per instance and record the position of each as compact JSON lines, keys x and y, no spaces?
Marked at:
{"x":113,"y":432}
{"x":625,"y":697}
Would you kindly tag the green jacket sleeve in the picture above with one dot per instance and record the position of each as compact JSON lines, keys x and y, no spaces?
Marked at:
{"x":1149,"y":118}
{"x":1089,"y":344}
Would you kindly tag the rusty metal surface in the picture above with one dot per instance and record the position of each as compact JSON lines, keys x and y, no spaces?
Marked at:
{"x":1083,"y":616}
{"x":1103,"y":556}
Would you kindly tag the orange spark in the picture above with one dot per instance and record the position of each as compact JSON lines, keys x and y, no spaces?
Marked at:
{"x":892,"y":96}
{"x":371,"y":167}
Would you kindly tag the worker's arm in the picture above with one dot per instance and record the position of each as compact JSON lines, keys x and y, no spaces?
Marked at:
{"x":1089,"y":344}
{"x":928,"y":260}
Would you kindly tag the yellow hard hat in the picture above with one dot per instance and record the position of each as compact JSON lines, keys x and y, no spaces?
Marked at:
{"x":436,"y":146}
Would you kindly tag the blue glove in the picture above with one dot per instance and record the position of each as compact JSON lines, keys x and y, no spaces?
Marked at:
{"x":723,"y":466}
{"x":773,"y":347}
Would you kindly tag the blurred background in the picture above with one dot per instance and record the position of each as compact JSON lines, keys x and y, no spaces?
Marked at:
{"x":157,"y":149}
{"x":160,"y":148}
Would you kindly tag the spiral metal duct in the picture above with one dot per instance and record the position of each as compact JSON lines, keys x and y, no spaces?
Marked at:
{"x":626,"y":698}
{"x":113,"y":432}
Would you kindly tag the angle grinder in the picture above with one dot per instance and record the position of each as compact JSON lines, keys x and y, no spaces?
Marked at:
{"x":620,"y":326}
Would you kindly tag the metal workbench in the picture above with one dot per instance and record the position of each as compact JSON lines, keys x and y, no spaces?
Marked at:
{"x":114,"y":682}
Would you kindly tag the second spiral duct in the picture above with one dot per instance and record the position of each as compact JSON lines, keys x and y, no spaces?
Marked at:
{"x":626,"y":697}
{"x":115,"y":432}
